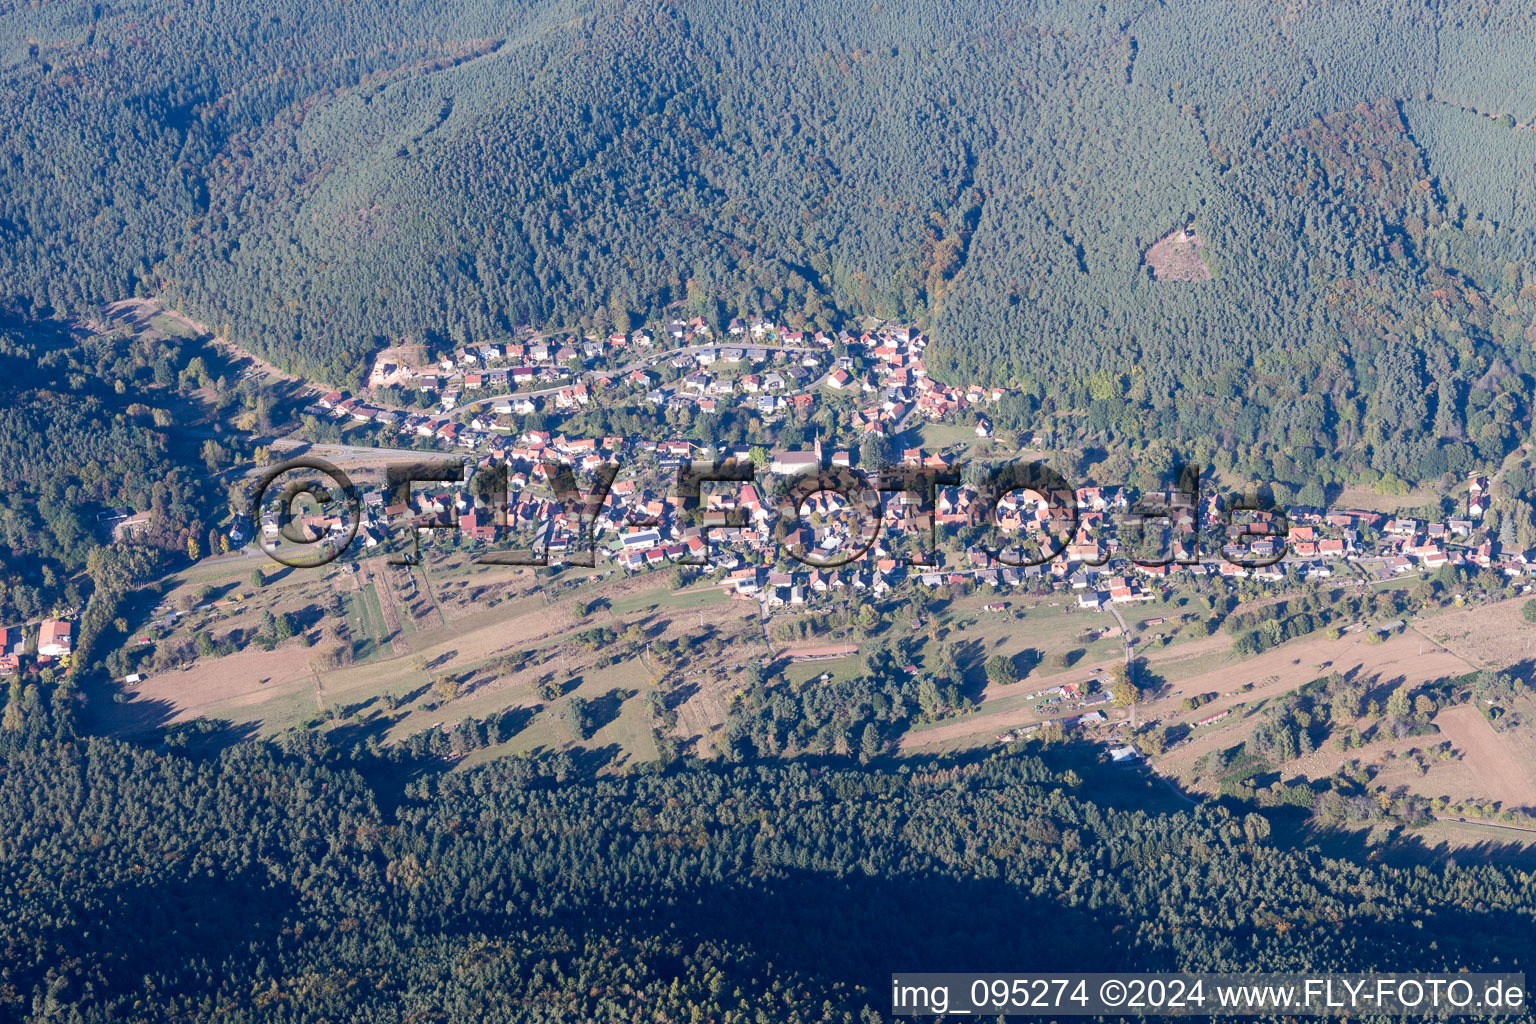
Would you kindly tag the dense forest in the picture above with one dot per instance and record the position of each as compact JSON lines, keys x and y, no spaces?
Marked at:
{"x":317,"y":180}
{"x":297,"y":881}
{"x":87,"y":430}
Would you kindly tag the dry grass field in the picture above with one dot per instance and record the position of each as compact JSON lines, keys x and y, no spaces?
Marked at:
{"x":506,"y":635}
{"x":1371,"y":500}
{"x":461,"y":622}
{"x":1404,"y":658}
{"x":1484,"y":765}
{"x":1489,"y":636}
{"x":1499,"y":763}
{"x":1205,"y":666}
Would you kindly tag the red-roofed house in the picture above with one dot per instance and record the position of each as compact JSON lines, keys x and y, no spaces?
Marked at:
{"x":53,"y":639}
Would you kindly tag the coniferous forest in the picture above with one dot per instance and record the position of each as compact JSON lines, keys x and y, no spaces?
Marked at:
{"x":301,"y":881}
{"x":317,"y":180}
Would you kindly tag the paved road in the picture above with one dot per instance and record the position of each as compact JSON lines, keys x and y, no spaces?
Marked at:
{"x":1484,"y":824}
{"x":147,"y":307}
{"x":475,"y":403}
{"x":342,"y":451}
{"x":905,"y":421}
{"x":642,"y":363}
{"x":645,"y":362}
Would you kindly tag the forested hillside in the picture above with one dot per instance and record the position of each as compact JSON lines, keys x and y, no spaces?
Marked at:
{"x":75,"y":444}
{"x":319,"y":179}
{"x":274,"y":882}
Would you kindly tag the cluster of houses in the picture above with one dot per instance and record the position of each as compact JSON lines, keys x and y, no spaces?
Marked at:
{"x":883,"y":368}
{"x":493,"y":364}
{"x":738,"y":529}
{"x":54,"y":643}
{"x":761,"y":366}
{"x":493,"y":367}
{"x":768,"y":367}
{"x":1315,"y":542}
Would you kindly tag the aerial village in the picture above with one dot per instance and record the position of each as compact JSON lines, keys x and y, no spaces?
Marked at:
{"x":743,"y":533}
{"x":744,"y":537}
